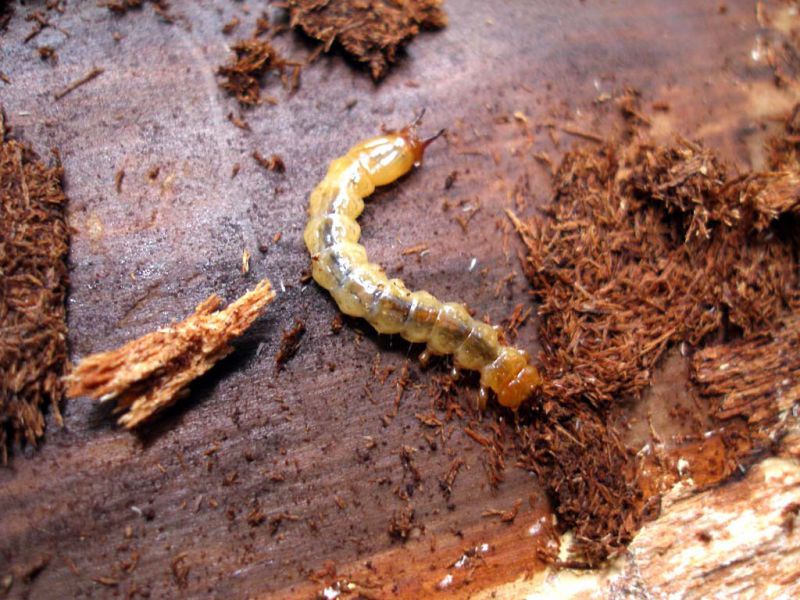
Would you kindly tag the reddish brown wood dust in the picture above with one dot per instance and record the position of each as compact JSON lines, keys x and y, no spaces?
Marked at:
{"x":370,"y":32}
{"x":34,"y":240}
{"x":642,"y":248}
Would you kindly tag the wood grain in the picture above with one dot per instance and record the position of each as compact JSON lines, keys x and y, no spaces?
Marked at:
{"x":93,"y":497}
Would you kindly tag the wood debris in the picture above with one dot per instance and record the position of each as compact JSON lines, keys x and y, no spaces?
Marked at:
{"x":253,"y":59}
{"x":34,"y":241}
{"x":757,"y":379}
{"x":290,"y":342}
{"x":180,"y":568}
{"x":48,"y":53}
{"x":40,"y":23}
{"x":446,"y":482}
{"x":276,"y":520}
{"x":118,"y":177}
{"x":417,"y":249}
{"x":150,"y":373}
{"x":274,"y":163}
{"x":229,"y":27}
{"x":401,"y":523}
{"x":506,"y":516}
{"x":160,"y":7}
{"x":642,"y":248}
{"x":94,"y":72}
{"x":239,"y":122}
{"x":586,"y":135}
{"x":371,"y":32}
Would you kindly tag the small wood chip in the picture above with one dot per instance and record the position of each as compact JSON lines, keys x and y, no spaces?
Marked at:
{"x":95,"y":72}
{"x":151,"y":373}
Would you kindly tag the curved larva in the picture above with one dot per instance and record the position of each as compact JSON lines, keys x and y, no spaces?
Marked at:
{"x":362,"y":289}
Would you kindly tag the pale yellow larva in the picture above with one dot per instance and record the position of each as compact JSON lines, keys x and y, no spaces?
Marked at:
{"x":362,"y":289}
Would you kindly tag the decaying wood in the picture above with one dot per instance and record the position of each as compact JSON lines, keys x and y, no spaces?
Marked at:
{"x":370,"y":32}
{"x":253,"y":59}
{"x":149,"y":374}
{"x":738,"y":539}
{"x":643,"y":247}
{"x":34,"y":241}
{"x":757,"y":379}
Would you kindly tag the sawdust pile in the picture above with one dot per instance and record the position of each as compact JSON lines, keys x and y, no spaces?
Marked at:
{"x":151,"y":373}
{"x":34,"y":240}
{"x":642,"y":248}
{"x":370,"y":31}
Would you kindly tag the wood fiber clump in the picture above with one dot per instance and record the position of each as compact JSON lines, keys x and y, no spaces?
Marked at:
{"x":34,"y":240}
{"x":242,"y":75}
{"x":370,"y":31}
{"x":150,"y":373}
{"x":757,"y":379}
{"x":642,"y":248}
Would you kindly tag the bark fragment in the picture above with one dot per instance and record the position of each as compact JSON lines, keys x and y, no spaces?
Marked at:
{"x":150,"y":373}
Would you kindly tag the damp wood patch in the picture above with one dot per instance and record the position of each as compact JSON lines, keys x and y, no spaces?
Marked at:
{"x":34,"y":241}
{"x":372,"y":32}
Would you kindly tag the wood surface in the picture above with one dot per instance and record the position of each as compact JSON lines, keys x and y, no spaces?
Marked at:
{"x":311,"y":443}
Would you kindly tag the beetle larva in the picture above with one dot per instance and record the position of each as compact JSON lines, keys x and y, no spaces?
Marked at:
{"x":362,"y":289}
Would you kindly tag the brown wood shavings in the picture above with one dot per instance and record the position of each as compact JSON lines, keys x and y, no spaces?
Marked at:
{"x":506,"y":516}
{"x":620,"y":276}
{"x":642,"y":248}
{"x":149,"y":374}
{"x":290,"y":343}
{"x":591,"y":477}
{"x":40,"y":23}
{"x":756,"y":379}
{"x":34,"y":241}
{"x":785,"y":148}
{"x":274,"y":163}
{"x":402,"y":523}
{"x":160,"y":7}
{"x":84,"y":79}
{"x":242,"y":75}
{"x":370,"y":31}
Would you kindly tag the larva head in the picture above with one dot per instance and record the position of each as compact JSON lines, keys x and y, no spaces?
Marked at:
{"x":417,"y":145}
{"x":390,"y":156}
{"x":511,"y":377}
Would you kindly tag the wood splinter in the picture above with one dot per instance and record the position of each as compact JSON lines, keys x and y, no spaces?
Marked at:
{"x":151,"y":373}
